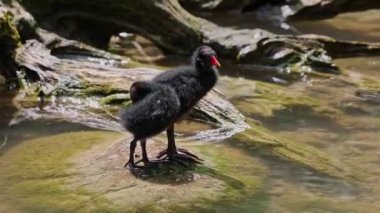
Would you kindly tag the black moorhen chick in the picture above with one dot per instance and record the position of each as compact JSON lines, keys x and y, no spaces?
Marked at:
{"x":191,"y":83}
{"x":155,"y":107}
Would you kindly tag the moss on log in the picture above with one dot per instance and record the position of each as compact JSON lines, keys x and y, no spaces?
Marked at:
{"x":9,"y":41}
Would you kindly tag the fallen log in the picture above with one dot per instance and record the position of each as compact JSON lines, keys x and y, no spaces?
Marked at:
{"x":175,"y":30}
{"x":82,"y":91}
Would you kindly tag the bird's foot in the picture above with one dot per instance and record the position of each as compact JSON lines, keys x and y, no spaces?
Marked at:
{"x":181,"y":156}
{"x":153,"y":164}
{"x":135,"y":169}
{"x":148,"y":168}
{"x":179,"y":151}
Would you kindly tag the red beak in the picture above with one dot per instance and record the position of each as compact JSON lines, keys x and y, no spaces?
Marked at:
{"x":215,"y":61}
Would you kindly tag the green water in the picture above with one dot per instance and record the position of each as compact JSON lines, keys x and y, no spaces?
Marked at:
{"x":324,"y":113}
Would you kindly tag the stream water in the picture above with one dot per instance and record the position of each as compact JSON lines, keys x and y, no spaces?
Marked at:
{"x":338,"y":122}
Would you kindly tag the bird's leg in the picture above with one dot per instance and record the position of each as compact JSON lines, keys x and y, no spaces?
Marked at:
{"x":172,"y":148}
{"x":174,"y":154}
{"x":144,"y":153}
{"x":145,"y":159}
{"x":131,"y":162}
{"x":132,"y":148}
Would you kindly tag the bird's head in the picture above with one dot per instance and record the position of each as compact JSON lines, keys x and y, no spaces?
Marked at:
{"x":205,"y":58}
{"x":139,"y":90}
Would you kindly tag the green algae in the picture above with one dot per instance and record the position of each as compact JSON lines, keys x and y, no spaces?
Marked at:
{"x":136,"y":64}
{"x":243,"y":175}
{"x":316,"y":202}
{"x":324,"y":98}
{"x":296,"y":152}
{"x":33,"y":174}
{"x":224,"y":165}
{"x":369,"y":84}
{"x":9,"y":35}
{"x":266,"y":99}
{"x":278,"y":108}
{"x":37,"y":176}
{"x":271,"y":97}
{"x":9,"y":39}
{"x":242,"y":182}
{"x":119,"y":98}
{"x":99,"y":90}
{"x":221,"y":180}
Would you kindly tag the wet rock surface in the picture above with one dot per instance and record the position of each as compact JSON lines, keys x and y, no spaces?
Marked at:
{"x":84,"y":171}
{"x":102,"y":172}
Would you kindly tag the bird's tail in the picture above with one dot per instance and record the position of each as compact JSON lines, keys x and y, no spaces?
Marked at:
{"x":124,"y":116}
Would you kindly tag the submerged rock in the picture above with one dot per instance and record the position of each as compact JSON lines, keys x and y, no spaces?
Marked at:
{"x":84,"y":172}
{"x":369,"y":96}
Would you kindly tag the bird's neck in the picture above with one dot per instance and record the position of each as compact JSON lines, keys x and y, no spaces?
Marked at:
{"x":208,"y":76}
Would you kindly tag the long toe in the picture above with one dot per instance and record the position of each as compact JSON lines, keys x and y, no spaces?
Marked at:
{"x":153,"y":164}
{"x":126,"y":164}
{"x":184,"y":151}
{"x":162,"y":153}
{"x":185,"y":160}
{"x":178,"y":160}
{"x":134,"y":170}
{"x":150,"y":168}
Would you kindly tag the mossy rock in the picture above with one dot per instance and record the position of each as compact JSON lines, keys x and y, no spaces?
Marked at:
{"x":83,"y":172}
{"x":263,"y":100}
{"x":33,"y":174}
{"x":312,"y":201}
{"x":215,"y":182}
{"x":9,"y":41}
{"x":9,"y":36}
{"x":299,"y":153}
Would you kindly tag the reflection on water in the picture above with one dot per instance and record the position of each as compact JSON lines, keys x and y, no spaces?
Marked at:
{"x":357,"y":26}
{"x":360,"y":26}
